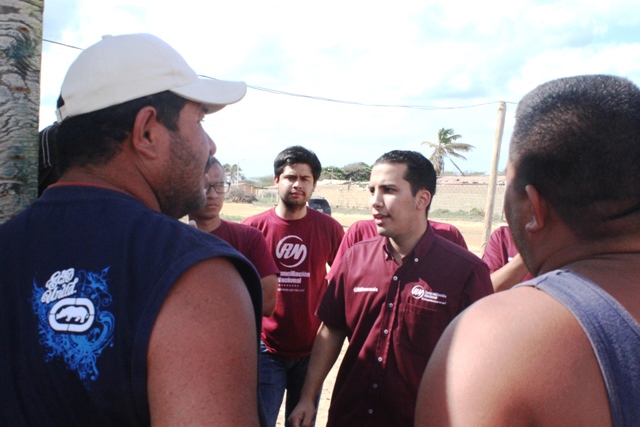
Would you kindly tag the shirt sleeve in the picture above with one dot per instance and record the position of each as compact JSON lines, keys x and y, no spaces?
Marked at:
{"x":337,"y":236}
{"x":459,"y":238}
{"x":478,"y":285}
{"x":332,"y":306}
{"x":260,"y":256}
{"x":495,"y":254}
{"x":350,"y":238}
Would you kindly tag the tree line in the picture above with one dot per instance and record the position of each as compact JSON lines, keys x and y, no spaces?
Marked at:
{"x":447,"y":147}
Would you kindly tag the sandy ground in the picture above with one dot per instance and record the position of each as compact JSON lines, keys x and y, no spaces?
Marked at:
{"x":471,"y":230}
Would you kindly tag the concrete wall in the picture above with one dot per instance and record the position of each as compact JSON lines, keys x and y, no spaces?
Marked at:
{"x":451,"y":197}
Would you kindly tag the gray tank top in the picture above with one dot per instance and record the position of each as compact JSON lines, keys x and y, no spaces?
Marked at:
{"x":614,"y":335}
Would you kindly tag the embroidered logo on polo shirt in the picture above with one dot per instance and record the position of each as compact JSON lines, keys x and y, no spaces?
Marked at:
{"x":74,"y":323}
{"x":291,"y":251}
{"x":418,"y":292}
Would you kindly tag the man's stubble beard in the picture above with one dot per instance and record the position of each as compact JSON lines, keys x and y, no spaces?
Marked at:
{"x":294,"y":206}
{"x":177,"y":198}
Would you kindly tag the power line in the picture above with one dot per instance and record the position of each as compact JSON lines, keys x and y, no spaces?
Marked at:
{"x":365,"y":104}
{"x":338,"y":101}
{"x":61,"y":44}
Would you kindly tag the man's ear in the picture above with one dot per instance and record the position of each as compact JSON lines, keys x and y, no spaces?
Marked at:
{"x":423,"y":199}
{"x":145,"y":132}
{"x":539,"y":210}
{"x":276,"y":179}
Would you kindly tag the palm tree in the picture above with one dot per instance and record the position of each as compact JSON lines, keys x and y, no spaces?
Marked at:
{"x":447,"y":147}
{"x":20,"y":47}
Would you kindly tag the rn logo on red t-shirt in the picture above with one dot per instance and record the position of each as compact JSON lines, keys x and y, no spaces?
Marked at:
{"x":290,"y":249}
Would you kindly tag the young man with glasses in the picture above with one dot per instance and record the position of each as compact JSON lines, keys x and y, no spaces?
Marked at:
{"x":247,"y":240}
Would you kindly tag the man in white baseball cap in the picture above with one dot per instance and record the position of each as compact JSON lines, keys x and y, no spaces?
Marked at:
{"x":120,"y":314}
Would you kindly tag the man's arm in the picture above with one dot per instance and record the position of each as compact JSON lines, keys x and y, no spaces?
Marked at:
{"x":505,"y":273}
{"x":325,"y":352}
{"x":269,"y":294}
{"x":516,"y":358}
{"x":458,"y":389}
{"x":257,"y":251}
{"x":202,"y":357}
{"x":509,"y":274}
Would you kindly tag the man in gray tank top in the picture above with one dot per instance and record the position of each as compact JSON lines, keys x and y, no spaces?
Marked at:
{"x":563,"y":348}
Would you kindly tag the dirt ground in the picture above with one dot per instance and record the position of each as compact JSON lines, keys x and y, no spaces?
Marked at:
{"x":471,"y":230}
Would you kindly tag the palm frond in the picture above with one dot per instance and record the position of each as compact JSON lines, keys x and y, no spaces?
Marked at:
{"x":447,"y":147}
{"x":461,"y":146}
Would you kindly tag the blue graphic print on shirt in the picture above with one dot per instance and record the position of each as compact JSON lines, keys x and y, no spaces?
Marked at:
{"x":74,"y":323}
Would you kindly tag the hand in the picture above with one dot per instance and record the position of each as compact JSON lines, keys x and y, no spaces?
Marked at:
{"x":303,"y":414}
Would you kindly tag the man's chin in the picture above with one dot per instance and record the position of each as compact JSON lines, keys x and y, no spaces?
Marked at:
{"x":382,"y":231}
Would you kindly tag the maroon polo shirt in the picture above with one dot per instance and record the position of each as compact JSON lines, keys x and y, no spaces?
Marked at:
{"x":500,"y":250}
{"x":366,"y":229}
{"x":393,"y":316}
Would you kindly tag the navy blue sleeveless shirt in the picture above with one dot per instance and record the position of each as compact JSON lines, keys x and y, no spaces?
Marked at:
{"x":83,"y":274}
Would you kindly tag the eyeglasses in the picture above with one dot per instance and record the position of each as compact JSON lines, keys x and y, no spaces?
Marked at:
{"x":220,"y":187}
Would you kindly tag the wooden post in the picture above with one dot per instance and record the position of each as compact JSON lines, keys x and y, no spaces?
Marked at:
{"x":493,"y":175}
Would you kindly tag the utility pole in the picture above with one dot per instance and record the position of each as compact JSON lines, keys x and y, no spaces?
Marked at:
{"x":493,"y":175}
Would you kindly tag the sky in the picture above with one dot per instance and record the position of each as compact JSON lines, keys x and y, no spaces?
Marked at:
{"x":354,"y":79}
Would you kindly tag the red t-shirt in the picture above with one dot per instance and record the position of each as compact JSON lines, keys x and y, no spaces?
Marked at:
{"x":250,"y":243}
{"x":366,"y":229}
{"x":393,"y":316}
{"x":301,"y":249}
{"x":500,"y":250}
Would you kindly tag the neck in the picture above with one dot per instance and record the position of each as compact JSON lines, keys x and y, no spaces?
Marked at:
{"x":112,"y":177}
{"x":208,"y":224}
{"x":403,"y":244}
{"x":285,"y":212}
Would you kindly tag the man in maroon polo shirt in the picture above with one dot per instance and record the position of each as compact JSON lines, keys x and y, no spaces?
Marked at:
{"x":366,"y":229}
{"x":392,"y":297}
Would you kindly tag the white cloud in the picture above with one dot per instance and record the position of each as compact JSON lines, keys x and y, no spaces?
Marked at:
{"x":432,"y":53}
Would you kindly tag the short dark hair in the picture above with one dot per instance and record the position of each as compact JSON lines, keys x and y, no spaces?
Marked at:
{"x":294,"y":155}
{"x":96,"y":137}
{"x":213,"y":160}
{"x":420,"y":172}
{"x":577,"y":141}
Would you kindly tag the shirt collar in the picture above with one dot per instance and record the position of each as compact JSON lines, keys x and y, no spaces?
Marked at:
{"x":421,"y":249}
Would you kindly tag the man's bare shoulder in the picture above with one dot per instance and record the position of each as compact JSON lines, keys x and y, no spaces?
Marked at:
{"x":519,"y":321}
{"x":513,"y":358}
{"x":202,"y":317}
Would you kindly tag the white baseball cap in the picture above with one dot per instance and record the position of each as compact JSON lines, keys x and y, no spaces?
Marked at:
{"x":122,"y":68}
